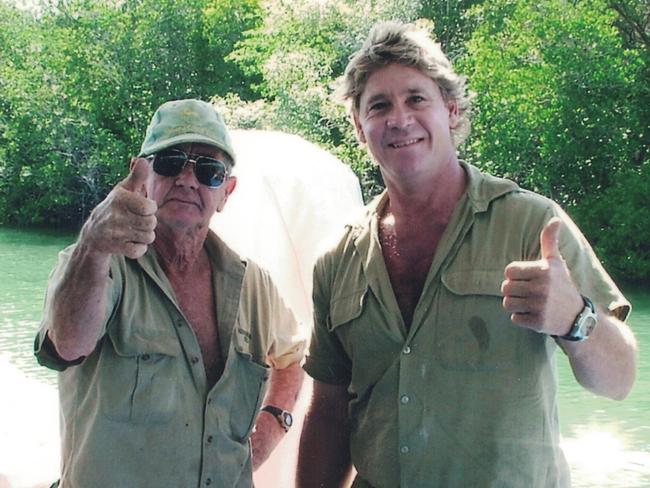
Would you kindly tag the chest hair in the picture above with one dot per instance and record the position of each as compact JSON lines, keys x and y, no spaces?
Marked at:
{"x":196,"y":297}
{"x":408,"y":249}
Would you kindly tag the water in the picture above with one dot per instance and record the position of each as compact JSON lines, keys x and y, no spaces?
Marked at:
{"x":26,"y":259}
{"x":607,"y":442}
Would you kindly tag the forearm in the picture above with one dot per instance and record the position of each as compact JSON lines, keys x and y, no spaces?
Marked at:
{"x":324,"y":453}
{"x":122,"y":224}
{"x":283,"y":392}
{"x":284,"y":386}
{"x":605,"y":363}
{"x":78,"y":303}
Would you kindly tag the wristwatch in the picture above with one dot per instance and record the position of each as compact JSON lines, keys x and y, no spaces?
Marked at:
{"x":584,"y":323}
{"x":284,"y":418}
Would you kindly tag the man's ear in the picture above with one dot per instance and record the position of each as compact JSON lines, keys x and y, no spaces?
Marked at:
{"x":231,"y":184}
{"x":454,"y":115}
{"x":361,"y":137}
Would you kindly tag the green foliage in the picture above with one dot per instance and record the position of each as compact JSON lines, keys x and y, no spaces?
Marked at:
{"x":39,"y":132}
{"x":617,"y":222}
{"x":452,"y":27}
{"x":633,"y":21}
{"x":81,"y":81}
{"x":561,"y":107}
{"x":225,"y":23}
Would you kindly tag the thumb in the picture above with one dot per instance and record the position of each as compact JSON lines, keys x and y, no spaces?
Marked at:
{"x":139,"y":179}
{"x":549,"y":239}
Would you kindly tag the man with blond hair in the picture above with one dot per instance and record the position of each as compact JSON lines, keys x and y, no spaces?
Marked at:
{"x":430,"y":369}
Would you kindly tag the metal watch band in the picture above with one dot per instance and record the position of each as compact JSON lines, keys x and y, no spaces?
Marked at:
{"x":579,"y":330}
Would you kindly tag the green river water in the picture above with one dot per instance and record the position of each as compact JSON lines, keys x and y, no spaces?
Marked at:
{"x":607,"y":442}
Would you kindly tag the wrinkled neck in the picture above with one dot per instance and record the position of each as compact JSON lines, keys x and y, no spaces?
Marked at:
{"x":180,"y":253}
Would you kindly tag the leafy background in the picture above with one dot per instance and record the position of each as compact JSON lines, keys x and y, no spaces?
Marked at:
{"x":562,"y":106}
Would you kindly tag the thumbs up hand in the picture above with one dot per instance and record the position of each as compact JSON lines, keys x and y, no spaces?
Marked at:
{"x":540,"y":295}
{"x":124,"y":222}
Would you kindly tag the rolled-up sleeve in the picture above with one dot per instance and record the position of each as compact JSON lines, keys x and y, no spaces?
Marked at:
{"x":586,"y":270}
{"x":278,"y":340}
{"x":326,"y":361}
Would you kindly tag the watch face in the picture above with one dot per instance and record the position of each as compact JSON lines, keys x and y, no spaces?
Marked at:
{"x":288,"y":419}
{"x":588,"y":325}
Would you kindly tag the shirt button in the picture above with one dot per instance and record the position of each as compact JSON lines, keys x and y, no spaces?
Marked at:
{"x":179,"y":323}
{"x":405,"y":399}
{"x":194,"y":360}
{"x":404,"y":449}
{"x":406,"y":350}
{"x":208,"y":481}
{"x":145,"y":357}
{"x":209,"y":439}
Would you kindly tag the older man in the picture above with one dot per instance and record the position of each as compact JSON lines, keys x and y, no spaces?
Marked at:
{"x":430,"y":370}
{"x":165,"y":337}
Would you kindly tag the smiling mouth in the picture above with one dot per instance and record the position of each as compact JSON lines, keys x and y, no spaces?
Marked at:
{"x":409,"y":142}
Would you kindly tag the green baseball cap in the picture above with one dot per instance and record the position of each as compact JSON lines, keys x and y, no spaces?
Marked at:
{"x":183,"y":121}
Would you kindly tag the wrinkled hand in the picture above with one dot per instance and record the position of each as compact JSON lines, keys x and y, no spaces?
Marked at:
{"x":268,"y":433}
{"x":124,"y":222}
{"x":540,"y":295}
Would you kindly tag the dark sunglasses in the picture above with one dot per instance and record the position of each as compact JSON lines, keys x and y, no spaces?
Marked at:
{"x":209,"y":171}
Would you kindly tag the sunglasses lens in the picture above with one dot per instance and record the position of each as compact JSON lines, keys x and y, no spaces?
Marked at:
{"x":169,"y":163}
{"x":210,"y":172}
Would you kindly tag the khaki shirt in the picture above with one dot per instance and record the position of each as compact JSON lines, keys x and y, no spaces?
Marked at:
{"x":465,"y":398}
{"x":137,"y":413}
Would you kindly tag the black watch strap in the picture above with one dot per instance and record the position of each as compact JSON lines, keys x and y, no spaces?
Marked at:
{"x":284,"y":418}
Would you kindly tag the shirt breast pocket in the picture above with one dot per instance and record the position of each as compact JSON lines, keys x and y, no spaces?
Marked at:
{"x":139,"y":382}
{"x":239,"y":393}
{"x":357,"y":319}
{"x":251,"y":379}
{"x":343,"y":310}
{"x":473,"y":331}
{"x":366,"y":336}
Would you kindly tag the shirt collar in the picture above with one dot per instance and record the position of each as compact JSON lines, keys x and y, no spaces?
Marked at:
{"x":481,"y":190}
{"x":226,"y":262}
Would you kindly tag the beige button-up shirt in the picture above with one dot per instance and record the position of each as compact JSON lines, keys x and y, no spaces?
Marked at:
{"x":465,"y":398}
{"x":137,"y":412}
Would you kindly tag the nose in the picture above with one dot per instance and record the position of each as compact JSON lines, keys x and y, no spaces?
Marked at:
{"x":399,"y":118}
{"x":187,"y":176}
